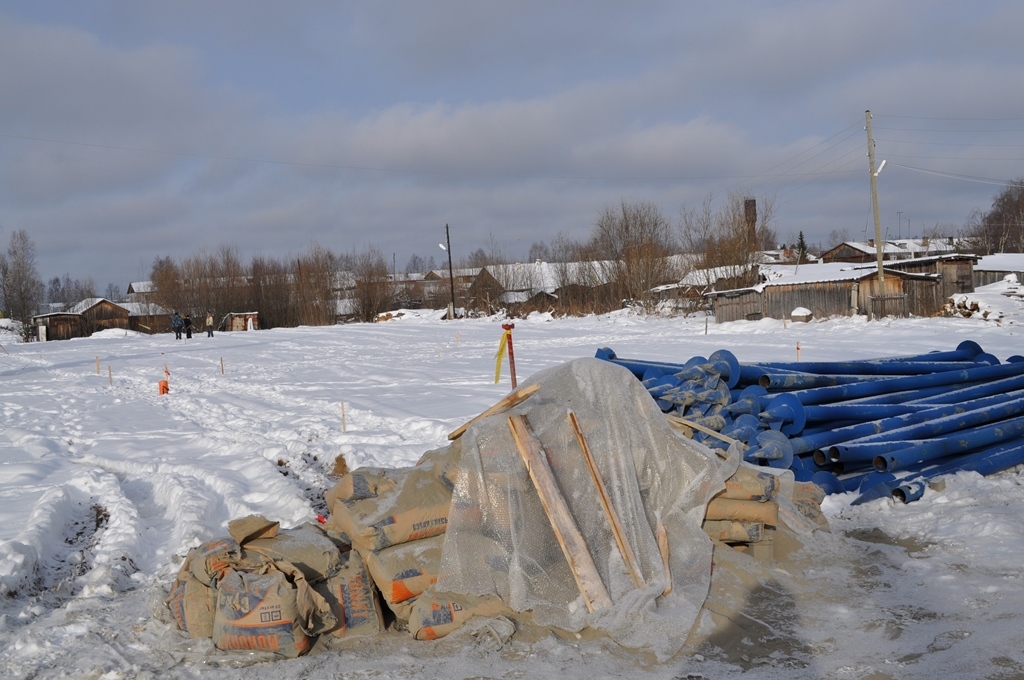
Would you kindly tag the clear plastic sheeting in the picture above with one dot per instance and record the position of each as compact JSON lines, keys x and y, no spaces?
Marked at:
{"x":500,"y":540}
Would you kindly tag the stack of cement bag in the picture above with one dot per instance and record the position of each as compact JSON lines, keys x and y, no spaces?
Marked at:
{"x":264,"y":589}
{"x":745,"y":515}
{"x":396,"y":521}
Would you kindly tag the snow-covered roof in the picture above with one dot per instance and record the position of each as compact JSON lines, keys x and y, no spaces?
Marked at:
{"x":822,"y":272}
{"x":901,"y":248}
{"x":133,"y":308}
{"x":535,"y":277}
{"x":1001,"y":262}
{"x":86,"y":304}
{"x":142,"y":308}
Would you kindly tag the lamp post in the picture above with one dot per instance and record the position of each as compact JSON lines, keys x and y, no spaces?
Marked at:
{"x":451,"y":275}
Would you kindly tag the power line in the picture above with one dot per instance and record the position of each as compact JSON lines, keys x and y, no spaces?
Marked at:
{"x":949,"y":175}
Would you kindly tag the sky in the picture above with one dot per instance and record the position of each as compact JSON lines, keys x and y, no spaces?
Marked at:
{"x":254,"y":421}
{"x":132,"y":131}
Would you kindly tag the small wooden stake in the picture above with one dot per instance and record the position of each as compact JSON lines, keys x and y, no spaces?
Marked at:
{"x":663,"y":549}
{"x":573,"y":545}
{"x":97,"y":365}
{"x":222,"y":365}
{"x":344,"y":427}
{"x":110,"y":375}
{"x":606,"y":504}
{"x":506,"y":403}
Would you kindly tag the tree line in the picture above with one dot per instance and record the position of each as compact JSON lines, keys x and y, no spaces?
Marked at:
{"x":631,"y":250}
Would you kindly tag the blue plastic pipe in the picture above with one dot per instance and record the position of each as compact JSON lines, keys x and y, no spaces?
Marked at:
{"x":973,"y":414}
{"x":964,"y":441}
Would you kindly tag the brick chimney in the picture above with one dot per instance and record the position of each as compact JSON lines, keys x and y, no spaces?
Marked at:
{"x":750,"y":213}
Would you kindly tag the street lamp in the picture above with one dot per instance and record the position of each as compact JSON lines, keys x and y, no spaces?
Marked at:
{"x":451,"y":275}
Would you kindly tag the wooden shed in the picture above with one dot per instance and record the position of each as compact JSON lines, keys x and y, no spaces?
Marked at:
{"x":826,"y":290}
{"x":994,"y":268}
{"x":240,"y":321}
{"x":100,"y":314}
{"x":147,"y":317}
{"x":59,"y":326}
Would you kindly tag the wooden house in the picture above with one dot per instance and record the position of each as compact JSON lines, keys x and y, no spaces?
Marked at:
{"x":892,"y":249}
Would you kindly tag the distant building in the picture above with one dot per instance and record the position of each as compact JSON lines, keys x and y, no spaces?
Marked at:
{"x":893,"y":249}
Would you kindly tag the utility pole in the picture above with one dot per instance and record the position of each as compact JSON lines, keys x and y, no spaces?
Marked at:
{"x":899,"y":222}
{"x":451,"y":274}
{"x":874,"y":196}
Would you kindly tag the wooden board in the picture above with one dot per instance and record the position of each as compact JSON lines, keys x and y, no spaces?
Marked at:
{"x":628,"y":556}
{"x":573,"y":545}
{"x":663,"y":549}
{"x":508,"y":402}
{"x":683,"y":422}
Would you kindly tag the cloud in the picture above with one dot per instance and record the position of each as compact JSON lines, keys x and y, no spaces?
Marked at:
{"x":177,"y":127}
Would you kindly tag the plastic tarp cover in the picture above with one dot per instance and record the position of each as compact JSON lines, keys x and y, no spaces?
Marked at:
{"x":500,"y":540}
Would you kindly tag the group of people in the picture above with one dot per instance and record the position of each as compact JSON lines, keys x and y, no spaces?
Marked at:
{"x":179,"y":325}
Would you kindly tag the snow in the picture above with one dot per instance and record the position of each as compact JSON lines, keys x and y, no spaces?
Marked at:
{"x":105,"y":484}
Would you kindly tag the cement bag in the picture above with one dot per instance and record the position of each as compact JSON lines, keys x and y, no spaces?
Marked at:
{"x":259,"y":611}
{"x":208,"y":560}
{"x":750,"y":484}
{"x":352,"y":598}
{"x":807,"y":498}
{"x":732,"y":531}
{"x":359,"y":484}
{"x":434,"y":616}
{"x":252,"y":527}
{"x":403,"y":612}
{"x":192,"y":604}
{"x":415,"y":507}
{"x":404,"y":571}
{"x":306,"y":546}
{"x":743,"y":511}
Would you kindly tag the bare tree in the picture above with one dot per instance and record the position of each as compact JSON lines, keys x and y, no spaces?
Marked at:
{"x":21,"y":289}
{"x":1001,"y":229}
{"x":269,"y":293}
{"x":539,"y":252}
{"x":67,"y":292}
{"x":838,"y":237}
{"x":721,"y":241}
{"x":635,"y":241}
{"x":374,"y":290}
{"x":315,"y":276}
{"x":165,"y":275}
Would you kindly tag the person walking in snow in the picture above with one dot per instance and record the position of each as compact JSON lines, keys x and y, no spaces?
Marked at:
{"x":188,"y":326}
{"x":209,"y":324}
{"x":176,"y":325}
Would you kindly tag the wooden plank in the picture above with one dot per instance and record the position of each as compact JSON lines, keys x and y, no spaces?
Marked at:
{"x":508,"y":402}
{"x":573,"y":545}
{"x":663,"y":549}
{"x":625,"y":549}
{"x":683,"y":422}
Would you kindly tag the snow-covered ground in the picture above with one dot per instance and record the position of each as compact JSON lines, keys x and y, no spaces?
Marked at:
{"x":104,"y":484}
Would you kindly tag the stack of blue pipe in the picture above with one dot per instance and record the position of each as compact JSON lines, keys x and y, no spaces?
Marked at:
{"x":879,"y":427}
